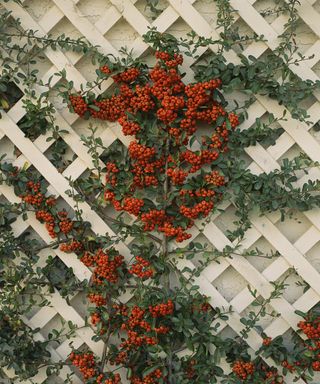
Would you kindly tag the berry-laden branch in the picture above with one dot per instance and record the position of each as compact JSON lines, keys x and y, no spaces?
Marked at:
{"x":162,"y":112}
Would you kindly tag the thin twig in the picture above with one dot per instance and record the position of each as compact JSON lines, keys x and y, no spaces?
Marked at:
{"x":105,"y":349}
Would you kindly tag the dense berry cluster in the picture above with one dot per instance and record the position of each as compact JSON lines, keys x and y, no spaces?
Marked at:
{"x":46,"y":217}
{"x":162,"y":309}
{"x":107,"y":267}
{"x":139,"y":317}
{"x":156,"y":103}
{"x":33,"y":196}
{"x":271,"y":375}
{"x":311,"y":328}
{"x":141,"y":268}
{"x":142,"y":327}
{"x":65,"y":223}
{"x":97,"y":299}
{"x":243,"y":369}
{"x":72,"y":246}
{"x":151,"y":378}
{"x":86,"y":364}
{"x":79,"y":105}
{"x":256,"y":371}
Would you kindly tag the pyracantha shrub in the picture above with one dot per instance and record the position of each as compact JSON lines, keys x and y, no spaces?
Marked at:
{"x":169,"y":176}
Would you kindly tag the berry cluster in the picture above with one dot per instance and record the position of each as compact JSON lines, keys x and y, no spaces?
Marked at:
{"x":151,"y":378}
{"x":142,"y":326}
{"x":201,"y":307}
{"x":33,"y":196}
{"x":271,"y":375}
{"x":114,"y":379}
{"x":97,"y":299}
{"x":177,"y":176}
{"x":190,"y":371}
{"x":158,"y":219}
{"x":106,"y":267}
{"x":202,"y":208}
{"x":87,"y":259}
{"x":132,"y":205}
{"x":316,"y":366}
{"x":311,"y":328}
{"x":86,"y":364}
{"x":79,"y":105}
{"x":57,"y":223}
{"x":136,"y":327}
{"x":215,"y":178}
{"x":46,"y":217}
{"x":141,"y":268}
{"x":65,"y":223}
{"x":267,"y":341}
{"x":288,"y":366}
{"x":95,"y":318}
{"x":128,"y":127}
{"x":162,"y":309}
{"x":72,"y":246}
{"x":127,"y":76}
{"x":243,"y":369}
{"x":105,"y":69}
{"x":174,"y":231}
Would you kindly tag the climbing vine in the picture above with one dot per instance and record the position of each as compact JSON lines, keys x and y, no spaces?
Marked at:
{"x":185,"y":158}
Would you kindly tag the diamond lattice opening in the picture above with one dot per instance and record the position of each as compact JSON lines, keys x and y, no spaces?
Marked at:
{"x":38,"y":8}
{"x":264,"y":251}
{"x":179,"y":28}
{"x":122,"y":34}
{"x":10,"y":95}
{"x":230,"y":283}
{"x":226,"y":221}
{"x":295,"y":289}
{"x":150,"y":11}
{"x":262,"y":322}
{"x":313,"y":256}
{"x":270,"y":12}
{"x":295,"y":225}
{"x":60,"y":155}
{"x":93,"y":9}
{"x":60,"y":276}
{"x":208,"y":10}
{"x":304,"y":36}
{"x":64,"y":26}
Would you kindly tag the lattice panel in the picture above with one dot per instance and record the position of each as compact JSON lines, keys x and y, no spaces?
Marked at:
{"x":113,"y":24}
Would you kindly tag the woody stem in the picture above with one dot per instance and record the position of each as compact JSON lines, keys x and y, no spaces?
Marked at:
{"x":104,"y":359}
{"x":165,"y":197}
{"x":165,"y":251}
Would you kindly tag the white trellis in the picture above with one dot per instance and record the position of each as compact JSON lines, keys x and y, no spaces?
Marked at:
{"x":114,"y":23}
